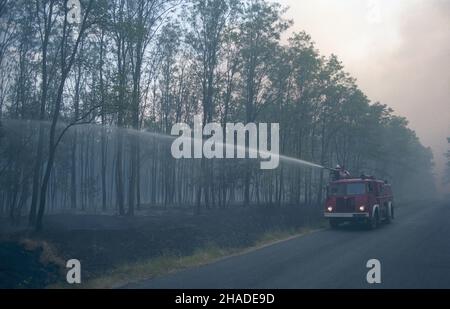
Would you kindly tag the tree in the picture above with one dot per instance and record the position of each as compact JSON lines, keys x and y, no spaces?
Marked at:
{"x":208,"y":21}
{"x":260,"y":31}
{"x":149,"y":15}
{"x":67,"y":59}
{"x":45,"y":22}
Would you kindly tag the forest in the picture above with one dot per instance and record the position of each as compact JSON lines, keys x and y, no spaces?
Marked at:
{"x":87,"y":104}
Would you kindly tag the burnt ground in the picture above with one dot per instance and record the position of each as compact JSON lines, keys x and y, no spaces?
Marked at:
{"x":23,"y":268}
{"x":103,"y":242}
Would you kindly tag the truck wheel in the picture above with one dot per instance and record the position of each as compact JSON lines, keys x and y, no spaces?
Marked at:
{"x":334,"y":224}
{"x":388,"y":215}
{"x":374,"y":221}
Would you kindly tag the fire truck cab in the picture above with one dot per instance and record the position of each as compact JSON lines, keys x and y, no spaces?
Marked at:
{"x":360,"y":200}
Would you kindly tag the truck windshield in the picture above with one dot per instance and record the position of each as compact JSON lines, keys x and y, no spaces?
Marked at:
{"x":347,"y":189}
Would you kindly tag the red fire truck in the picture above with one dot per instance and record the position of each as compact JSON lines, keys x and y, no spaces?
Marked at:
{"x":364,"y":200}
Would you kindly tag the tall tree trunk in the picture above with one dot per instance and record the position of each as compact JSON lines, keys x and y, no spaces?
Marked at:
{"x":73,"y":169}
{"x":103,"y":117}
{"x":65,"y":69}
{"x":40,"y":143}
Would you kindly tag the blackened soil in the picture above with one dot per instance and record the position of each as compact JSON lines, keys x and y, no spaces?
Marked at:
{"x":102,"y":242}
{"x":22,"y":268}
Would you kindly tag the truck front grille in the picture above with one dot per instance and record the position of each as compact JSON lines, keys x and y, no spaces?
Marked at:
{"x":345,"y":204}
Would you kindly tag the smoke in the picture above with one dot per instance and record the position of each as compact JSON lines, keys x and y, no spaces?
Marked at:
{"x":414,"y":77}
{"x":399,"y":51}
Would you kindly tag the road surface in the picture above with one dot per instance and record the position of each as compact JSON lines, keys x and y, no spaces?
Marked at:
{"x":414,"y":252}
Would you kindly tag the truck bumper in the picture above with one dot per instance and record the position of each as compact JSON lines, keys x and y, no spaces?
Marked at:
{"x":348,"y":215}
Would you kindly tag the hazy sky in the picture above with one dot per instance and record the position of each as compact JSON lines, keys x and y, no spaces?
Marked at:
{"x":399,"y":51}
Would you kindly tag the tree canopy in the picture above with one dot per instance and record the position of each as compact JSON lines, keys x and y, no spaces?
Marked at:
{"x":144,"y":65}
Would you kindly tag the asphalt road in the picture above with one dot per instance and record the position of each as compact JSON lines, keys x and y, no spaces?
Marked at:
{"x":414,"y":252}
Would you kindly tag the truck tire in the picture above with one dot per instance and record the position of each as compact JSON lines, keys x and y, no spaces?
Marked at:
{"x":388,"y":215}
{"x":373,"y":222}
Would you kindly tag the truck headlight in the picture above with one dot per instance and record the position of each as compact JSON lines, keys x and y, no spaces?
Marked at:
{"x":330,"y":208}
{"x":362,"y":208}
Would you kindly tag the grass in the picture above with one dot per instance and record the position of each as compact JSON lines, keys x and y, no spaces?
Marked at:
{"x":134,"y":272}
